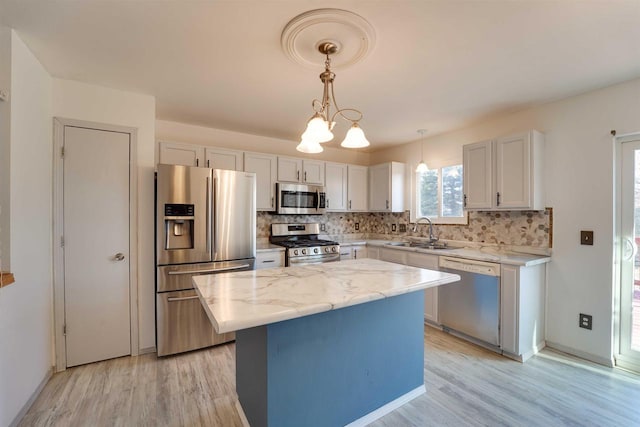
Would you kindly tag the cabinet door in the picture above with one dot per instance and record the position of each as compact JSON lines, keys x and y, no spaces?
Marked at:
{"x":336,"y":187}
{"x":357,"y":188}
{"x":373,"y":252}
{"x":171,"y":153}
{"x":430,"y":295}
{"x":380,"y":187}
{"x":313,"y":172}
{"x":218,"y":158}
{"x":264,"y":166}
{"x":289,"y":169}
{"x":513,"y":172}
{"x":270,"y":259}
{"x":393,"y":255}
{"x":359,"y":252}
{"x":478,"y":175}
{"x":509,"y":309}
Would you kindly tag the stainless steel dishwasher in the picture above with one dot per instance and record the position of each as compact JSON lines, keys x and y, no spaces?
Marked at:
{"x":471,"y":306}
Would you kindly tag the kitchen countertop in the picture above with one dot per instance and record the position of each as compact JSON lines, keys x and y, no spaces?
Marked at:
{"x":268,"y":247}
{"x":479,"y":253}
{"x":246,"y":299}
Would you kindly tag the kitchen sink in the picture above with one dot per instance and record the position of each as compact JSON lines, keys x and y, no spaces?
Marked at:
{"x":421,"y":245}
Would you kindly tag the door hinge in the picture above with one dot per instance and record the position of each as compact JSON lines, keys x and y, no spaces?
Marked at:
{"x":62,"y":152}
{"x":62,"y":241}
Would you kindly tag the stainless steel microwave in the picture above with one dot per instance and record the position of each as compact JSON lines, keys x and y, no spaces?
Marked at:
{"x":300,"y":199}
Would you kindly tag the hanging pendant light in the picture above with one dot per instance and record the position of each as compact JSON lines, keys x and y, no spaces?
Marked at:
{"x":422,"y":166}
{"x":320,"y":125}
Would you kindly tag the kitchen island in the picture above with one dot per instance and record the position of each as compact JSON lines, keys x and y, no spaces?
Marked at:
{"x":323,"y":345}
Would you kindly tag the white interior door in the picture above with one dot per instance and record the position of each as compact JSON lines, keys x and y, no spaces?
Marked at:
{"x":629,"y":220}
{"x":96,"y":244}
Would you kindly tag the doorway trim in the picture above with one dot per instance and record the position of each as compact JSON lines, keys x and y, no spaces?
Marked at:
{"x":58,"y":231}
{"x":619,"y":359}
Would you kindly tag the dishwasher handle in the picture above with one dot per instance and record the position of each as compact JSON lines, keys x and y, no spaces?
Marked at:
{"x":470,"y":266}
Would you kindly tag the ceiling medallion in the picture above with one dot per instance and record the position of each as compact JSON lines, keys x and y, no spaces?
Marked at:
{"x":303,"y":36}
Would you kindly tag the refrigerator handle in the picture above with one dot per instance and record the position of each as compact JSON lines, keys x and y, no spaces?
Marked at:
{"x":208,"y":221}
{"x":214,"y":235}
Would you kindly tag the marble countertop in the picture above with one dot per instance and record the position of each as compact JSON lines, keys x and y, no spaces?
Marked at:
{"x":268,"y":247}
{"x":247,"y":299}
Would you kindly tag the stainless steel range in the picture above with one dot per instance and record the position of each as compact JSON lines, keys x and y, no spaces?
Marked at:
{"x":303,"y":245}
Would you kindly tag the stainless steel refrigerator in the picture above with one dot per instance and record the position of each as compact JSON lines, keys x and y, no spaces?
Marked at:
{"x":205,"y":224}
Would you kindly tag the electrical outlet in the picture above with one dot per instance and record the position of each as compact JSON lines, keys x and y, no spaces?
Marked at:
{"x":403,"y":228}
{"x":393,"y":228}
{"x":323,"y":227}
{"x":586,"y":237}
{"x":357,"y":226}
{"x":585,"y":321}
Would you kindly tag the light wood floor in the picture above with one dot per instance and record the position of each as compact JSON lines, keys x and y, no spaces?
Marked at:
{"x":466,"y":386}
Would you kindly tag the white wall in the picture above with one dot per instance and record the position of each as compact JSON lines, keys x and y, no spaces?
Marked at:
{"x":75,"y":100}
{"x":26,"y":319}
{"x":181,"y":132}
{"x":580,"y":179}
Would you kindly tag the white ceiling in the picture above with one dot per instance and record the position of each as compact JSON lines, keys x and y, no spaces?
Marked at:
{"x":439,"y":64}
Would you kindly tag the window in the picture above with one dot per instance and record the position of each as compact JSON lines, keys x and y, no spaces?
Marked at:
{"x":439,"y":195}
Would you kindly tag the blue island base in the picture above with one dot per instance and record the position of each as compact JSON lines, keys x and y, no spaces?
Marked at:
{"x":331,"y":368}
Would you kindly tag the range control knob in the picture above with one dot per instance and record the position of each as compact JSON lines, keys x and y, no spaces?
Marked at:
{"x":295,"y":252}
{"x":315,"y":250}
{"x":326,"y":249}
{"x":304,"y":252}
{"x":333,"y":249}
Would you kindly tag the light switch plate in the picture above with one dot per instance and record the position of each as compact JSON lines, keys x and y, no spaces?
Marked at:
{"x":586,"y":237}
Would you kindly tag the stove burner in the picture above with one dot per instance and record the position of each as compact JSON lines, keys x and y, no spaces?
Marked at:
{"x":303,"y":243}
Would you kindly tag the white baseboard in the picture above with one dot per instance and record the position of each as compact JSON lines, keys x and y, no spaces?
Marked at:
{"x":389,"y":407}
{"x":32,"y":398}
{"x":581,"y":354}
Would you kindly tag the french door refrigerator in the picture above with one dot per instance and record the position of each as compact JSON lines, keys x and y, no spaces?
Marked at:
{"x":205,"y":224}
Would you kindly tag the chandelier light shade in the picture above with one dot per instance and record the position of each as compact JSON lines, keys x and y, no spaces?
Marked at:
{"x":320,"y":125}
{"x":422,"y":166}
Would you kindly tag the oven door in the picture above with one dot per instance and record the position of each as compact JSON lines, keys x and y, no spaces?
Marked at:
{"x":312,"y":259}
{"x":300,"y":199}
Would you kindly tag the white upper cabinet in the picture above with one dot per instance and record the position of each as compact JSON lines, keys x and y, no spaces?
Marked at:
{"x":357,"y":188}
{"x":505,"y":174}
{"x":477,"y":170}
{"x":219,"y":158}
{"x":386,"y":187}
{"x":264,"y":166}
{"x":291,"y":169}
{"x":336,"y":186}
{"x":171,"y":153}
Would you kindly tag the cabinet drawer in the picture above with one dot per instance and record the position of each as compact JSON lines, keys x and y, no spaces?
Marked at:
{"x":269,"y":260}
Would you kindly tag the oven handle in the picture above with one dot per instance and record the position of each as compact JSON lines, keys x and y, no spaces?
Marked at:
{"x":174,"y":299}
{"x":314,"y":259}
{"x":213,"y":270}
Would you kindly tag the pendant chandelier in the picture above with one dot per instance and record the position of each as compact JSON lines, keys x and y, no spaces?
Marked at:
{"x":422,"y":166}
{"x":320,"y":125}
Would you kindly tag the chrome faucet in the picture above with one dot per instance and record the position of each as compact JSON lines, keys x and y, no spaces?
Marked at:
{"x":415,"y":228}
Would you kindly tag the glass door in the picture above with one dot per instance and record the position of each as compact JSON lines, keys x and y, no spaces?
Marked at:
{"x":628,"y":205}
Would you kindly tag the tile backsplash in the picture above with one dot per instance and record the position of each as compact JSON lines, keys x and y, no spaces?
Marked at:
{"x":518,"y":228}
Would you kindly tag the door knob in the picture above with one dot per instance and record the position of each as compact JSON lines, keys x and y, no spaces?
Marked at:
{"x":119,"y":256}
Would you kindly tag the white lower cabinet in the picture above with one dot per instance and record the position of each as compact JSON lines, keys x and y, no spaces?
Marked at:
{"x":373,"y":252}
{"x":269,"y":259}
{"x":393,"y":255}
{"x":353,"y":252}
{"x":522,"y":310}
{"x":431,"y":294}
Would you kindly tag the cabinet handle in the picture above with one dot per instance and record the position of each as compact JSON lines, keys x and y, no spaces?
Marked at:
{"x":298,"y":175}
{"x":498,"y":199}
{"x":268,"y":260}
{"x":208,"y":163}
{"x":327,"y":203}
{"x":271,"y":201}
{"x":387,"y":202}
{"x":464,"y":202}
{"x":197,"y":162}
{"x":349,"y":204}
{"x":305,"y":177}
{"x":355,"y":254}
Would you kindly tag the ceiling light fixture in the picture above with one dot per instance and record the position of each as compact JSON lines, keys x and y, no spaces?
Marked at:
{"x":422,"y":166}
{"x":320,"y":126}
